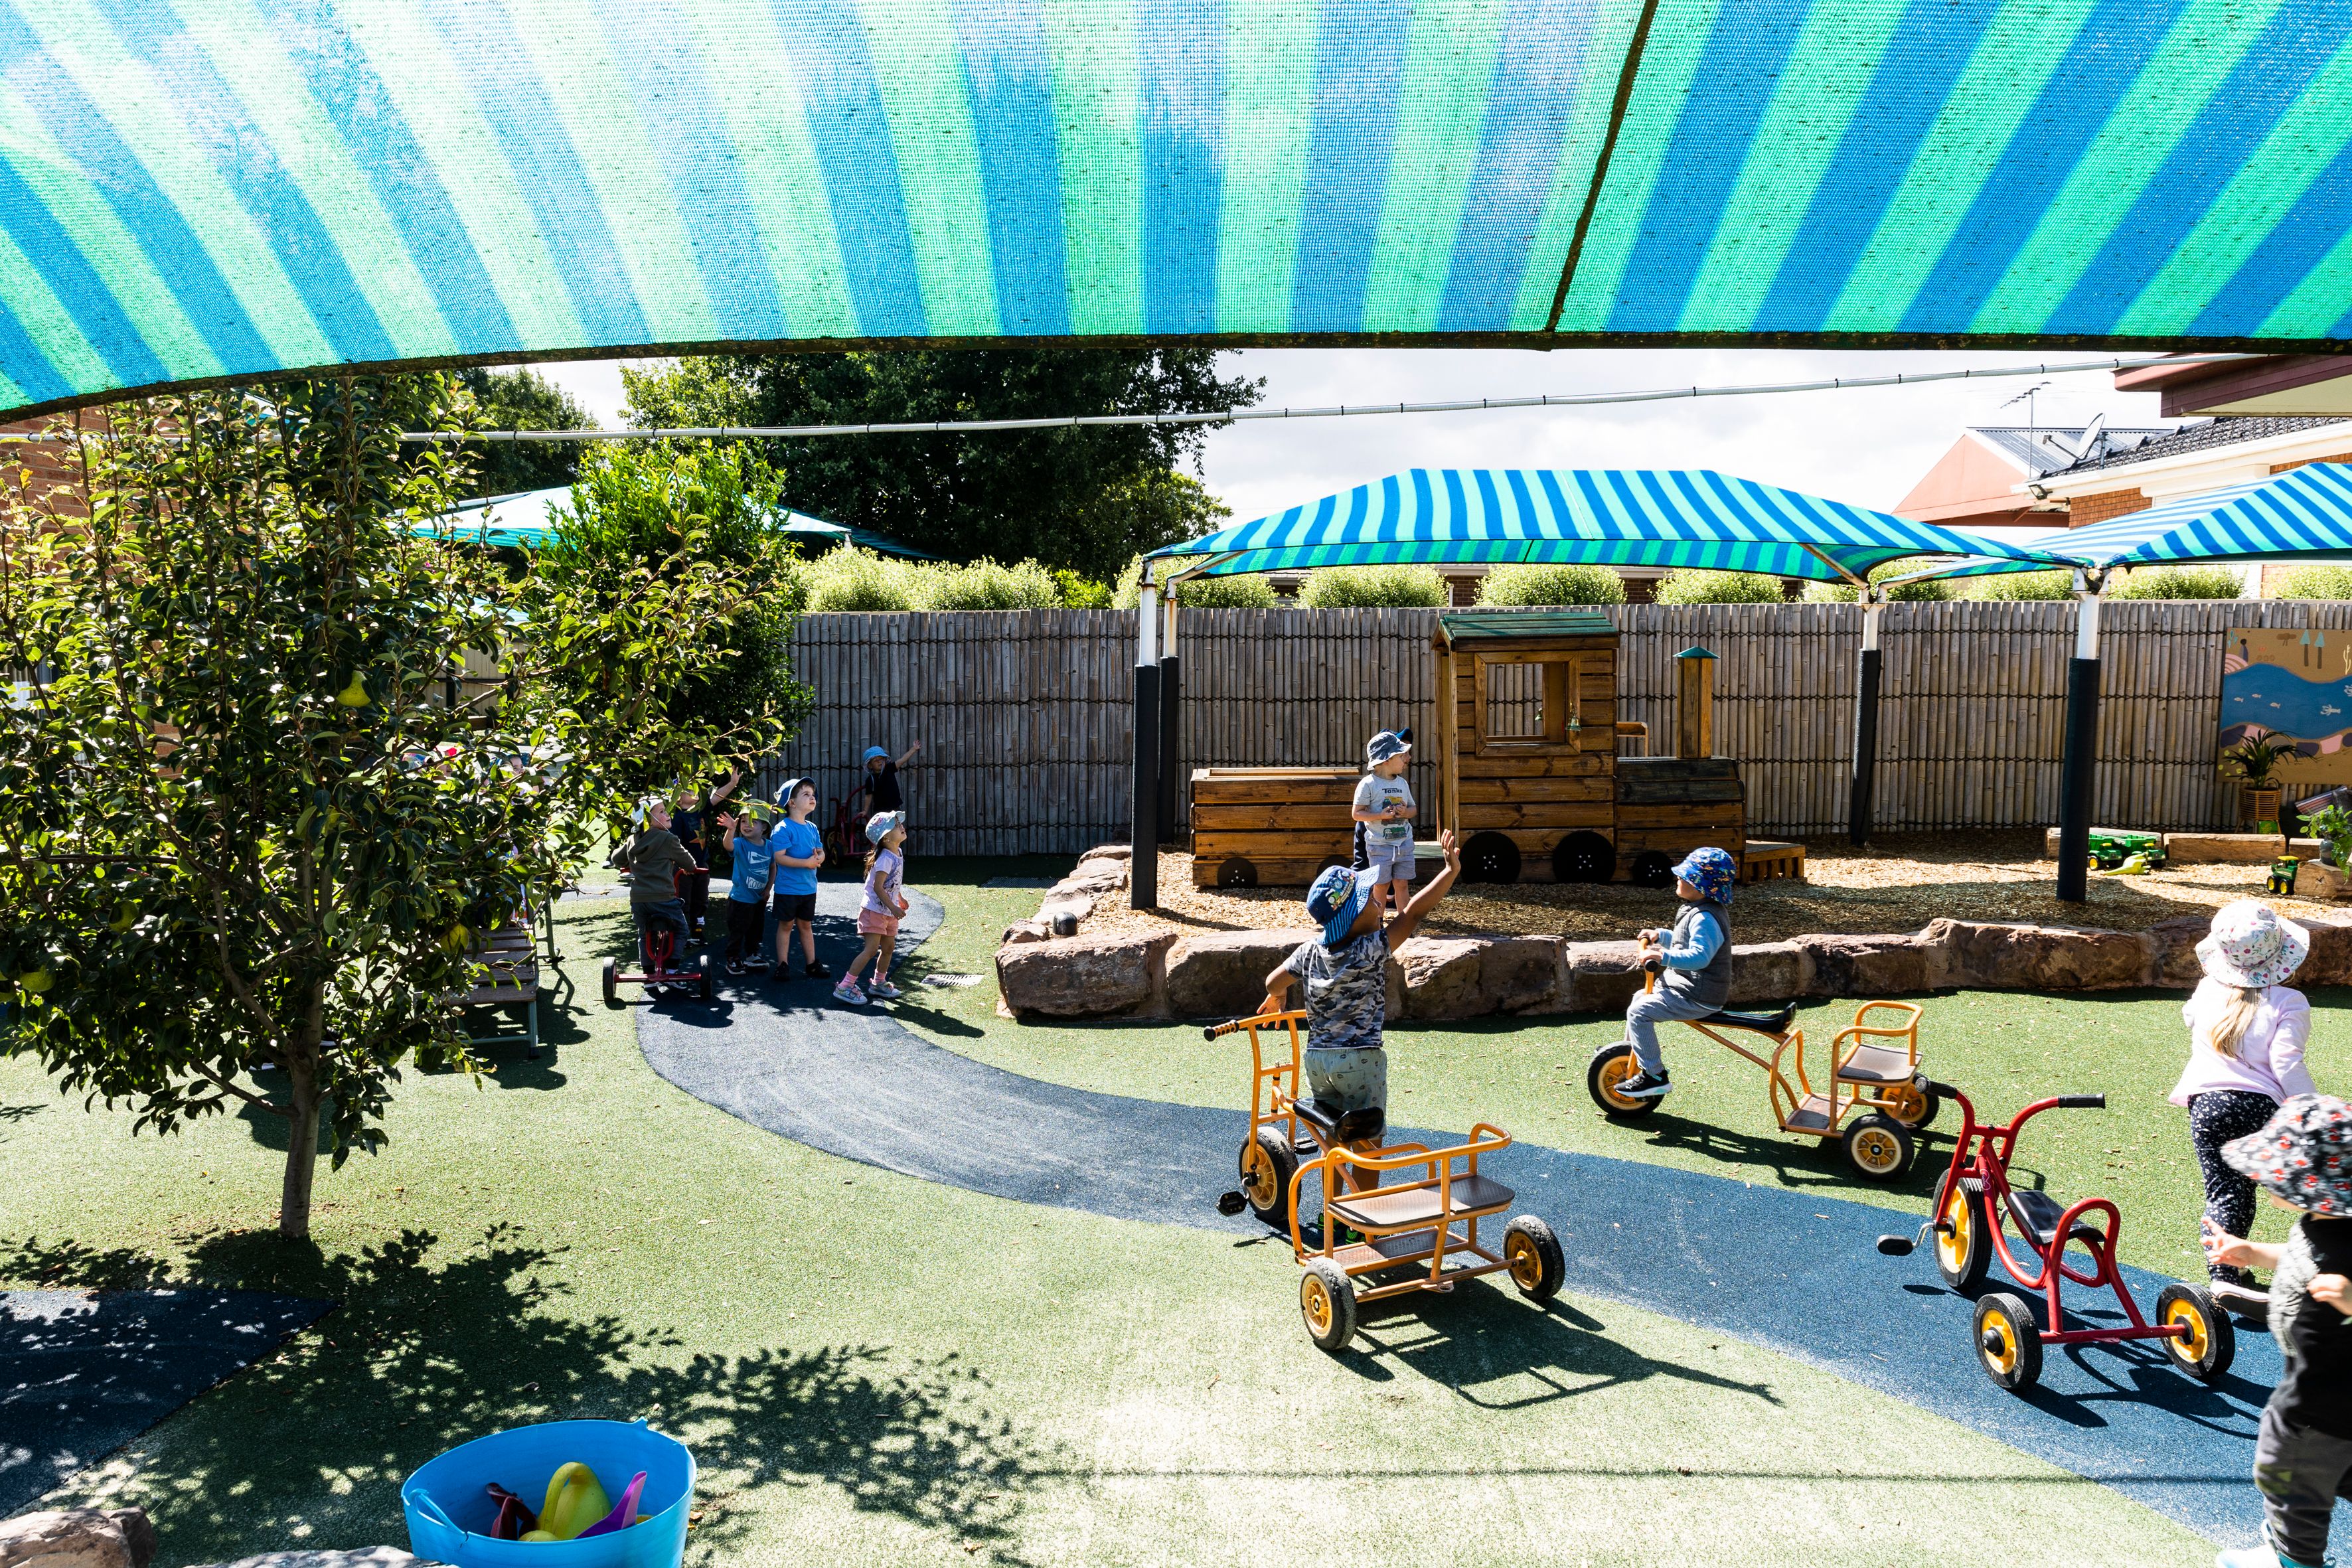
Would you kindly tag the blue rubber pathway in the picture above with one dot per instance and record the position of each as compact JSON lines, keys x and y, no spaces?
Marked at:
{"x":82,"y":1375}
{"x":1792,"y":1272}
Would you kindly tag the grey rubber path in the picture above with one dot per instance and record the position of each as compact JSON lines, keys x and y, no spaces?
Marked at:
{"x":82,"y":1375}
{"x":1792,"y":1271}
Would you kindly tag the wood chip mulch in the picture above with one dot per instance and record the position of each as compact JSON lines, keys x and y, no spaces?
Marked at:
{"x":1899,"y":885}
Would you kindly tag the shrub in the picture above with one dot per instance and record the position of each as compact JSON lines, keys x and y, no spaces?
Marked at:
{"x":1692,"y":585}
{"x":2179,"y":583}
{"x":1078,"y":592}
{"x":1374,"y":588}
{"x":853,"y":579}
{"x":1534,"y":584}
{"x":1929,"y":592}
{"x":1249,"y":591}
{"x":2019,"y":585}
{"x":984,"y":584}
{"x":2316,"y":582}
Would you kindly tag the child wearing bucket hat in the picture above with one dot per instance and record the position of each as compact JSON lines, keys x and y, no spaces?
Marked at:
{"x":2247,"y":1029}
{"x":2302,"y":1457}
{"x":1693,"y":958}
{"x":879,"y":909}
{"x":1345,"y":973}
{"x":1384,"y":811}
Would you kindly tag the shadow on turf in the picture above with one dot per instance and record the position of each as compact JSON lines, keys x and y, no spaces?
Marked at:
{"x":435,"y":1344}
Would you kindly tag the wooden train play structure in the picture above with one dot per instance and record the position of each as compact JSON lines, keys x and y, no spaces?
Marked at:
{"x":1529,"y":777}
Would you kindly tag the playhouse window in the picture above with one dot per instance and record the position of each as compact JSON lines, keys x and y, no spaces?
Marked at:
{"x":1515,"y":701}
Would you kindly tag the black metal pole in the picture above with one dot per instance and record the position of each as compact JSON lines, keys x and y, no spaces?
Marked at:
{"x":1172,"y":783}
{"x":1143,"y":870}
{"x":2081,"y":774}
{"x":1858,"y":810}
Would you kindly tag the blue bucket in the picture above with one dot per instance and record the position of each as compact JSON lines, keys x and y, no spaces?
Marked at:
{"x":450,"y":1510}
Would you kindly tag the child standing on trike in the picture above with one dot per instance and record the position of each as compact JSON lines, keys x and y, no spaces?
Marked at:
{"x":1695,"y":955}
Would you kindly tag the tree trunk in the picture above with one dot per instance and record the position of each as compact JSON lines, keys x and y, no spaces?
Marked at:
{"x":301,"y":1143}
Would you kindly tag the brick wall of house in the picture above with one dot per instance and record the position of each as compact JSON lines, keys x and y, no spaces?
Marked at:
{"x":2082,"y":509}
{"x":2338,"y":458}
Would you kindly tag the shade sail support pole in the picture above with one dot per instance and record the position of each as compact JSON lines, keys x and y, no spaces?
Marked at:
{"x":1143,"y":845}
{"x":1861,"y":800}
{"x":1171,"y":694}
{"x":2079,"y":777}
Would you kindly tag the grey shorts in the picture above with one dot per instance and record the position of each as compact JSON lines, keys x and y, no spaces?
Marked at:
{"x":1344,"y":1080}
{"x":1390,"y":861}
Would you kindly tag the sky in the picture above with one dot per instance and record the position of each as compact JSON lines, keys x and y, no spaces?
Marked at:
{"x":1865,"y":446}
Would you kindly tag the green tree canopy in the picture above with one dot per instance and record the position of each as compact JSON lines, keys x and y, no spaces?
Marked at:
{"x":1082,"y":498}
{"x":517,"y":400}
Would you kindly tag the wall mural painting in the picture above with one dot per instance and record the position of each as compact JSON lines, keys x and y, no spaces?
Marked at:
{"x":2295,"y":686}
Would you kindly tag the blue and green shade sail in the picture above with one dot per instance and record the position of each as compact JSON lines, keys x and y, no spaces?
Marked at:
{"x":2303,"y":514}
{"x":527,"y":520}
{"x":192,"y":190}
{"x":1611,"y":517}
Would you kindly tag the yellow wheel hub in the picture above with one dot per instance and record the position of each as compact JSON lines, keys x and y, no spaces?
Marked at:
{"x":1527,"y":1267}
{"x":1258,"y":1177}
{"x":1953,"y":1249}
{"x":1877,"y":1150}
{"x":1317,"y":1303}
{"x":1906,"y":1103}
{"x":2005,"y":1358}
{"x":2192,"y":1346}
{"x":1619,"y":1069}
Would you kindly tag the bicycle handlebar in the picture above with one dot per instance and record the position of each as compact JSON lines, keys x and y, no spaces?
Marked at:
{"x":2081,"y":1103}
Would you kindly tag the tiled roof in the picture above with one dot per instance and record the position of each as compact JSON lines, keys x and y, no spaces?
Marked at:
{"x":2224,"y":430}
{"x":2042,"y":449}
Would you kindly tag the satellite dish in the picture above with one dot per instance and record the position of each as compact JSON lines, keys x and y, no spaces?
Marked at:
{"x":2092,"y":432}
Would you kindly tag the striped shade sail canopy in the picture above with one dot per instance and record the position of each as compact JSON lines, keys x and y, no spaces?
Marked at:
{"x":193,"y":190}
{"x":2303,"y":514}
{"x":1613,"y":517}
{"x":527,"y":519}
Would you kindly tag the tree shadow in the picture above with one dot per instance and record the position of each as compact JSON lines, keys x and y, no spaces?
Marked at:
{"x":434,"y":1345}
{"x":1800,"y":1162}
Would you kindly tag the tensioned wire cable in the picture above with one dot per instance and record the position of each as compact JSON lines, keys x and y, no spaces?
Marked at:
{"x":1246,"y":416}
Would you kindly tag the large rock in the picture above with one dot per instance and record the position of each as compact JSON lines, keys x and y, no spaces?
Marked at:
{"x":1602,"y":976}
{"x":1222,"y":975}
{"x":360,"y":1557}
{"x":1768,"y":971}
{"x":1107,"y":852}
{"x":1442,"y":975}
{"x":1024,"y":930}
{"x":78,"y":1538}
{"x":2174,"y":961}
{"x":2330,"y":960}
{"x":1877,"y":965}
{"x":1084,"y":977}
{"x":2041,"y":958}
{"x":1521,"y":975}
{"x":1096,"y":877}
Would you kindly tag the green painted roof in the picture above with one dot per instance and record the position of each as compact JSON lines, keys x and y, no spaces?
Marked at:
{"x":1461,"y":623}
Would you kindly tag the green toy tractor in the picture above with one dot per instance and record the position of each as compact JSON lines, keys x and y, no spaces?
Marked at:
{"x":2111,"y":849}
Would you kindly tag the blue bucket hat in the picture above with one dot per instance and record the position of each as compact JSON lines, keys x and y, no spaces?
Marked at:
{"x":878,"y":825}
{"x":785,"y":790}
{"x":1384,"y":745}
{"x":871,"y":753}
{"x":1336,"y":900}
{"x":1711,"y":871}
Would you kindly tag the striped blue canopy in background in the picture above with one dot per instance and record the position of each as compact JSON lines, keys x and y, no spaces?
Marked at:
{"x":2303,"y":514}
{"x":195,"y":190}
{"x":526,"y":521}
{"x":1613,"y":517}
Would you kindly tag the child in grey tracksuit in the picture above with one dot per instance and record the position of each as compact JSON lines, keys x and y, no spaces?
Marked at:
{"x":1694,"y":960}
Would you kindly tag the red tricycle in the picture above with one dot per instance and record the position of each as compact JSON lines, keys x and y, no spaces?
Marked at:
{"x":658,"y":949}
{"x":1972,"y":1202}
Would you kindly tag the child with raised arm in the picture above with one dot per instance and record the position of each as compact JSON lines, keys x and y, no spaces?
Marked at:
{"x":881,"y":907}
{"x":754,"y":855}
{"x":800,"y":850}
{"x":2302,"y":1454}
{"x":1693,"y":958}
{"x":1345,"y":975}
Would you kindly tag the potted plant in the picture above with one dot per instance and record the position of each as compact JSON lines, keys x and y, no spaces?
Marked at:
{"x":2332,"y":825}
{"x":2254,"y":762}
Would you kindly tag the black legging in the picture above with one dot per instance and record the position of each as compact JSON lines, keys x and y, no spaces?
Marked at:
{"x":2215,"y":1116}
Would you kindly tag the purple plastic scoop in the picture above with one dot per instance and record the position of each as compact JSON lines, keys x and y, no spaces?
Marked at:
{"x":622,"y":1511}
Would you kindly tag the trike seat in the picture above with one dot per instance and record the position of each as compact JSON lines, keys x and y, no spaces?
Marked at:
{"x":1877,"y":1064}
{"x":1342,"y":1127}
{"x":1418,"y":1205}
{"x":2037,"y":1215}
{"x":1773,"y":1023}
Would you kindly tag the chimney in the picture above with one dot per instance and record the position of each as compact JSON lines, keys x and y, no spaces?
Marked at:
{"x":1694,"y":703}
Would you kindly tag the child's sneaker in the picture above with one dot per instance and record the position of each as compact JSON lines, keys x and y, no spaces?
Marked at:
{"x":815,"y":970}
{"x":883,"y":991}
{"x":1641,"y":1085}
{"x":734,"y":969}
{"x":848,"y":991}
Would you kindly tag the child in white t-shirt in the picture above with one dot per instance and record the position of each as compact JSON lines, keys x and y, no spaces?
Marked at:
{"x":1384,"y":811}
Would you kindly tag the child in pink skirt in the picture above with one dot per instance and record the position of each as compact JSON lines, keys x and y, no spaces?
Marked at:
{"x":878,"y":912}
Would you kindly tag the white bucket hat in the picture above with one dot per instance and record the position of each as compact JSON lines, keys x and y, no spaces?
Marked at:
{"x":2251,"y":946}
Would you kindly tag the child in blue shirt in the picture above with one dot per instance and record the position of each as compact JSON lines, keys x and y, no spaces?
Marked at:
{"x":747,"y":886}
{"x":800,"y":850}
{"x":1693,"y":958}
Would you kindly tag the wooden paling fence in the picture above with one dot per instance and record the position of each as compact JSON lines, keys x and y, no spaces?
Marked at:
{"x":1025,"y":716}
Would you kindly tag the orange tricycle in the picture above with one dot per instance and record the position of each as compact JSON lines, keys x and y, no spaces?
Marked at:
{"x":1399,"y":1218}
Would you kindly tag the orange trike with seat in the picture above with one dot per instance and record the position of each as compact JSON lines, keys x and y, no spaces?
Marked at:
{"x":1874,"y":1068}
{"x":1402,"y":1217}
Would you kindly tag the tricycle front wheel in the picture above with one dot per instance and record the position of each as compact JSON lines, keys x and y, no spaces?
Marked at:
{"x":1963,"y":1240}
{"x":1267,"y":1164}
{"x":2008,"y":1347}
{"x":2209,"y":1343}
{"x":1612,"y":1065}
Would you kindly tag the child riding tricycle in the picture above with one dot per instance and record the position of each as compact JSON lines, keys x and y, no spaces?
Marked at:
{"x":1974,"y":1202}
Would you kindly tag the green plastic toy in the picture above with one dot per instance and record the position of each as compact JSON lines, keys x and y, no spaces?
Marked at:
{"x":2111,"y":849}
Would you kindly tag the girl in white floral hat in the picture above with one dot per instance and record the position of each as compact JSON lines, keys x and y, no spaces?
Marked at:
{"x":2247,"y":1030}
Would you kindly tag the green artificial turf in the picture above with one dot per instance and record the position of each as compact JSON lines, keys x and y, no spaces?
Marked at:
{"x":877,"y":1370}
{"x":2003,"y":1048}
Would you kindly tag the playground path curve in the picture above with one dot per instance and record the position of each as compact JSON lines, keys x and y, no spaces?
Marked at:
{"x":1793,"y":1272}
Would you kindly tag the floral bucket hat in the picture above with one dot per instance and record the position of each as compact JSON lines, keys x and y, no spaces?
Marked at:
{"x":2251,"y":946}
{"x":1711,"y":871}
{"x":2305,"y":1154}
